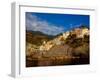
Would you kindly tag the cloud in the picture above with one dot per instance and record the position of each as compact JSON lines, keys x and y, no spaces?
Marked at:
{"x":36,"y":24}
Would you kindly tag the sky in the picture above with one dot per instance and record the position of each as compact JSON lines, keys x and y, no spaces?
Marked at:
{"x":53,"y":24}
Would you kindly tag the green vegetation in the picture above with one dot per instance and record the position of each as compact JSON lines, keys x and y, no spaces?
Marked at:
{"x":37,"y":38}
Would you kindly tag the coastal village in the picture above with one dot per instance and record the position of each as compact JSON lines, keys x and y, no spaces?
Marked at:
{"x":60,"y":40}
{"x":56,"y":47}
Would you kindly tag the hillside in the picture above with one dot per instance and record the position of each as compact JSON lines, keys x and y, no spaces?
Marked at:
{"x":36,"y":37}
{"x":71,"y":47}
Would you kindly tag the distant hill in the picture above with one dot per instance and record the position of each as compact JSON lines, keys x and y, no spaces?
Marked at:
{"x":37,"y":37}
